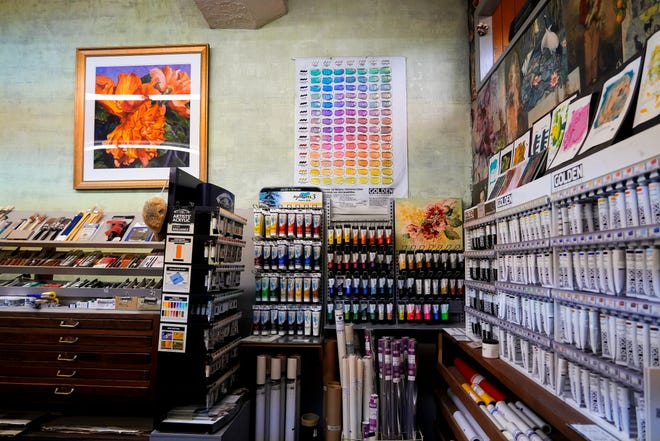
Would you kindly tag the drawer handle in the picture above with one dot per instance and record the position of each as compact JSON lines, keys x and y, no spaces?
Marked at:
{"x":63,"y":357}
{"x":63,"y":391}
{"x":68,"y":324}
{"x":60,"y":374}
{"x":69,"y":340}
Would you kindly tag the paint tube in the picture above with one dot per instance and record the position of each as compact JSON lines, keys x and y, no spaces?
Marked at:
{"x":594,"y":331}
{"x":632,"y":211}
{"x":607,"y":400}
{"x":618,"y":216}
{"x":581,"y":275}
{"x":606,"y":272}
{"x":549,"y":318}
{"x":631,"y":345}
{"x":583,"y":329}
{"x":614,"y":400}
{"x":585,"y":386}
{"x":630,"y":272}
{"x":620,"y":354}
{"x":640,"y":268}
{"x":640,"y":414}
{"x":623,"y":399}
{"x":593,"y":402}
{"x":619,"y":266}
{"x":654,"y":345}
{"x":642,"y":345}
{"x":643,"y":201}
{"x":603,"y":210}
{"x":575,"y":269}
{"x":654,"y":197}
{"x":547,"y":263}
{"x":591,"y":271}
{"x":652,"y":272}
{"x":562,"y":377}
{"x":605,"y":336}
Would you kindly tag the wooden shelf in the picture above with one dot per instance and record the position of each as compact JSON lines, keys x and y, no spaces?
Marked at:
{"x":155,"y":245}
{"x":454,"y":379}
{"x":548,"y":406}
{"x":447,"y":409}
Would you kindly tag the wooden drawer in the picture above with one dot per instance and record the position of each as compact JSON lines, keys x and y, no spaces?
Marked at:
{"x":72,"y":358}
{"x":46,"y":392}
{"x":49,"y":370}
{"x":30,"y":321}
{"x":67,"y":339}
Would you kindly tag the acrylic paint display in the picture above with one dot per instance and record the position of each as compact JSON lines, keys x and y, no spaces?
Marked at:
{"x":288,"y":254}
{"x":360,"y":260}
{"x":379,"y":389}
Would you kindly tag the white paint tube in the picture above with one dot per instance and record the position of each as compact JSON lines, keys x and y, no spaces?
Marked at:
{"x":585,"y":386}
{"x":605,"y":336}
{"x":603,"y":210}
{"x":632,"y":212}
{"x":550,"y":369}
{"x":618,"y":207}
{"x":583,"y":329}
{"x":525,"y":354}
{"x":643,"y":201}
{"x":631,"y":345}
{"x":575,"y":256}
{"x":546,"y":223}
{"x":623,"y":399}
{"x":607,"y":401}
{"x":642,"y":345}
{"x":619,"y":264}
{"x":654,"y":197}
{"x":631,"y":284}
{"x":536,"y":369}
{"x":547,"y":262}
{"x":652,"y":272}
{"x":654,"y":345}
{"x":562,"y":377}
{"x":594,"y":331}
{"x":572,"y":223}
{"x":564,"y":222}
{"x":549,"y":319}
{"x":614,"y":400}
{"x":531,"y":268}
{"x":598,"y":271}
{"x":592,"y":271}
{"x":574,"y":382}
{"x":640,"y":413}
{"x":581,"y":276}
{"x":620,"y":355}
{"x":608,"y":269}
{"x":593,"y":404}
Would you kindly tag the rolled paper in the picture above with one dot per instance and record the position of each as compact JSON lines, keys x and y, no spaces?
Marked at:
{"x":359,"y":395}
{"x":538,"y":422}
{"x":275,"y":402}
{"x":493,"y":420}
{"x":522,"y":416}
{"x":261,"y":370}
{"x":345,"y":398}
{"x":349,"y":336}
{"x":465,"y":426}
{"x":330,"y":372}
{"x":473,"y":377}
{"x":260,"y":400}
{"x":367,"y":384}
{"x":354,"y":424}
{"x":290,"y":426}
{"x":333,"y":426}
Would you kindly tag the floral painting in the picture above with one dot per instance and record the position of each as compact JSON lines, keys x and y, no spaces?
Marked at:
{"x":139,"y":111}
{"x":433,"y":224}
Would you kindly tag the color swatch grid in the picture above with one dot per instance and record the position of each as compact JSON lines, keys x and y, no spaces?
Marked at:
{"x":346,"y":113}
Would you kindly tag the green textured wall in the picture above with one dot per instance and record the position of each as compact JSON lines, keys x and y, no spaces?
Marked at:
{"x":251,"y":88}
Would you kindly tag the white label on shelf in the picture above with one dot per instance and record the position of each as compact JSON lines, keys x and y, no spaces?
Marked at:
{"x":566,"y":177}
{"x":503,"y":201}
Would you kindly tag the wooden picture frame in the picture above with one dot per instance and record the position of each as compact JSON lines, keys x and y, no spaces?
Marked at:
{"x":138,"y":112}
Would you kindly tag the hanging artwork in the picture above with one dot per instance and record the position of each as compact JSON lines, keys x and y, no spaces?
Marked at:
{"x":430,"y":224}
{"x":350,"y":128}
{"x":493,"y":170}
{"x":138,"y":112}
{"x":648,"y":98}
{"x":557,"y":129}
{"x":615,"y":100}
{"x":520,"y":148}
{"x":577,"y":126}
{"x":506,"y":158}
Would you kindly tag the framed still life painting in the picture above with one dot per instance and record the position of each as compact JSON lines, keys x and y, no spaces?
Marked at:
{"x":138,"y":112}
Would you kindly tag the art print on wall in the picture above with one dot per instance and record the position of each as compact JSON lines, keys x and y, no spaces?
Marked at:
{"x":648,"y":97}
{"x":577,"y":126}
{"x":540,"y":139}
{"x":520,"y":148}
{"x":431,"y":224}
{"x":493,"y":170}
{"x":506,"y":158}
{"x":557,"y":129}
{"x":615,"y":100}
{"x":138,"y":112}
{"x":351,"y":129}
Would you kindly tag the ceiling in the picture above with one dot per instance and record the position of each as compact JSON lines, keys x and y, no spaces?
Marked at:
{"x":241,"y":14}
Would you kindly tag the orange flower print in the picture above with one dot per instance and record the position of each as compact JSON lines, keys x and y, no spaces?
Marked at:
{"x":172,"y":82}
{"x":146,"y":125}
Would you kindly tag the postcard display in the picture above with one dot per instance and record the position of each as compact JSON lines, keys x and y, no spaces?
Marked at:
{"x":199,"y":331}
{"x":288,"y":261}
{"x":569,"y":285}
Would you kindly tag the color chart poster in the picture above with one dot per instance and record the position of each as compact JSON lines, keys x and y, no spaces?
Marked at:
{"x":351,"y":135}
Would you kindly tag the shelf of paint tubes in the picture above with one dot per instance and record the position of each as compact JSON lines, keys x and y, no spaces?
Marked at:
{"x":517,"y":288}
{"x":529,"y":269}
{"x":611,"y":237}
{"x":508,"y":326}
{"x":607,"y":302}
{"x":528,"y":245}
{"x":617,"y":176}
{"x":479,"y":254}
{"x":526,"y":226}
{"x":484,"y":286}
{"x":481,"y":221}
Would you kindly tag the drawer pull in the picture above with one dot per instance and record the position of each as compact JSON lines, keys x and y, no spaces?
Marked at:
{"x":60,"y":374}
{"x":69,"y":324}
{"x":63,"y":391}
{"x":64,"y":357}
{"x":69,"y":340}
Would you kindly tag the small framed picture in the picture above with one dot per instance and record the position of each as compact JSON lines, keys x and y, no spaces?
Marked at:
{"x":647,"y":111}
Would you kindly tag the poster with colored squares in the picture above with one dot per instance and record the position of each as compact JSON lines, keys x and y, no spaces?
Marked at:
{"x":351,"y":128}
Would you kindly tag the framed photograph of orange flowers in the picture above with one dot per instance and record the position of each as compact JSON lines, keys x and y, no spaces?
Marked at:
{"x":138,"y":112}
